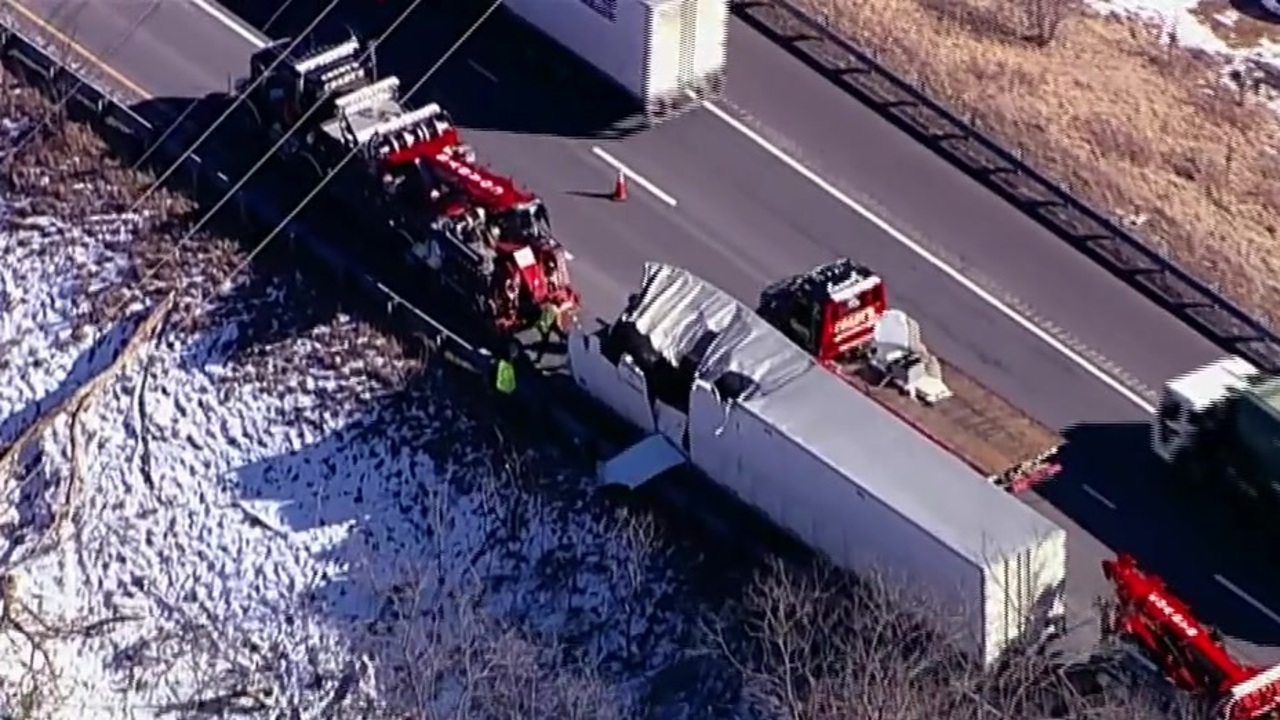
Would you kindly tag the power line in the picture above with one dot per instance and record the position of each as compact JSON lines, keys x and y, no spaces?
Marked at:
{"x":152,"y":272}
{"x":266,"y":28}
{"x":358,"y":147}
{"x":242,"y":96}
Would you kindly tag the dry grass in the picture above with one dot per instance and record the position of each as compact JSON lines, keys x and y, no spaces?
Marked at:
{"x":65,"y":171}
{"x":1115,"y":109}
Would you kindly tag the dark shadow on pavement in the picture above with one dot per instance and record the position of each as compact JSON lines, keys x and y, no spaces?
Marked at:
{"x":505,"y":77}
{"x":1190,"y":539}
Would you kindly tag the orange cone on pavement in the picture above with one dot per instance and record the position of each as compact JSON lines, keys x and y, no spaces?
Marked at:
{"x":620,"y":187}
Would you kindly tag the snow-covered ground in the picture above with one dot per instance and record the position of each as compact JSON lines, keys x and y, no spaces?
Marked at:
{"x":1236,"y":29}
{"x":269,"y":509}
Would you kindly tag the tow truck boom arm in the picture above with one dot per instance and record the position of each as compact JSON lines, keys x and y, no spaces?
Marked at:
{"x":1164,"y":626}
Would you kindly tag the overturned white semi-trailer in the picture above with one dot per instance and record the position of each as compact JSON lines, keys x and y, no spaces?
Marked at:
{"x":714,"y":385}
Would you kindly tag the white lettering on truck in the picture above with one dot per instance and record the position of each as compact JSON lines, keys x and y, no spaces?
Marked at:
{"x":1172,"y":614}
{"x":468,"y":172}
{"x":855,"y":320}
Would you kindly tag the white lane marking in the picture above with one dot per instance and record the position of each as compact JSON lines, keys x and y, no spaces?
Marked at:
{"x":1098,"y":496}
{"x":226,"y":18}
{"x":476,"y":66}
{"x":657,"y":191}
{"x":932,"y":259}
{"x":1275,"y":617}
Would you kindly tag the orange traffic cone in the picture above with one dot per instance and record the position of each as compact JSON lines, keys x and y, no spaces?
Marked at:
{"x":620,"y":187}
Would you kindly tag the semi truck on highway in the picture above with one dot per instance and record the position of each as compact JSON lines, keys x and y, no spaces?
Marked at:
{"x":715,"y":386}
{"x":1217,"y":428}
{"x":408,"y":174}
{"x":666,"y":54}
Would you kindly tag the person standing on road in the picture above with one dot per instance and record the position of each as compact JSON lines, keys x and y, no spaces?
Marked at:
{"x":504,"y":377}
{"x":551,"y":321}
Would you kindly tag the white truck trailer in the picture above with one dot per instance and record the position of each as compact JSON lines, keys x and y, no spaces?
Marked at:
{"x":716,"y":386}
{"x":667,"y":54}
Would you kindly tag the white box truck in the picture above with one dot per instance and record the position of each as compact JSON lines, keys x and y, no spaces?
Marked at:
{"x":667,"y":54}
{"x":714,"y":385}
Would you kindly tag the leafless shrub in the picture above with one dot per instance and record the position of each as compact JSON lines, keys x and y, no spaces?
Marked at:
{"x":821,"y":647}
{"x":436,"y":650}
{"x":641,"y":548}
{"x":24,"y":627}
{"x":1043,"y":18}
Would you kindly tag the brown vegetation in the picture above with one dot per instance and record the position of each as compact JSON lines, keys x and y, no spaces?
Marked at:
{"x":821,"y":648}
{"x":1114,"y":108}
{"x":61,"y":172}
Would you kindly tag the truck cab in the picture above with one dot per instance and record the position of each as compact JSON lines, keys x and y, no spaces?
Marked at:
{"x":1194,"y":402}
{"x":830,"y":311}
{"x":1218,"y":429}
{"x":527,"y":219}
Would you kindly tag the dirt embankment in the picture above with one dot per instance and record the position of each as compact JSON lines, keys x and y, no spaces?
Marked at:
{"x":1116,"y":109}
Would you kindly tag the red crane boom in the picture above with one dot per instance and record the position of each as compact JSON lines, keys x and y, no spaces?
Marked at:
{"x":1190,"y":655}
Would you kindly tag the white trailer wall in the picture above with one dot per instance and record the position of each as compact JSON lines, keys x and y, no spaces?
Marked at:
{"x":658,"y":51}
{"x":839,"y":471}
{"x":853,"y":528}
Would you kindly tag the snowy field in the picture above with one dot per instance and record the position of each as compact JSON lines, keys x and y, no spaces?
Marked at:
{"x":268,"y":508}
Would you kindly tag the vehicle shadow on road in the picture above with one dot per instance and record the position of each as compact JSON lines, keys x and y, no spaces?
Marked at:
{"x":505,"y":77}
{"x":1111,"y":479}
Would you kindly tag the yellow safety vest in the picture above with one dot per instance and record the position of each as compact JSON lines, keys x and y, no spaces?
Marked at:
{"x":547,"y":320}
{"x":506,"y":380}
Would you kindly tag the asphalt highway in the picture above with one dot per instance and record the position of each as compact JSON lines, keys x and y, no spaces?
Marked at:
{"x":785,"y":173}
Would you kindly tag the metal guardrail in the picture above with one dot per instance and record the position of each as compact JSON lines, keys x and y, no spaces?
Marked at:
{"x":1124,"y":254}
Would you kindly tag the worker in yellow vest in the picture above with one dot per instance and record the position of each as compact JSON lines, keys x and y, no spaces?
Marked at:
{"x":505,"y":380}
{"x":551,"y":321}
